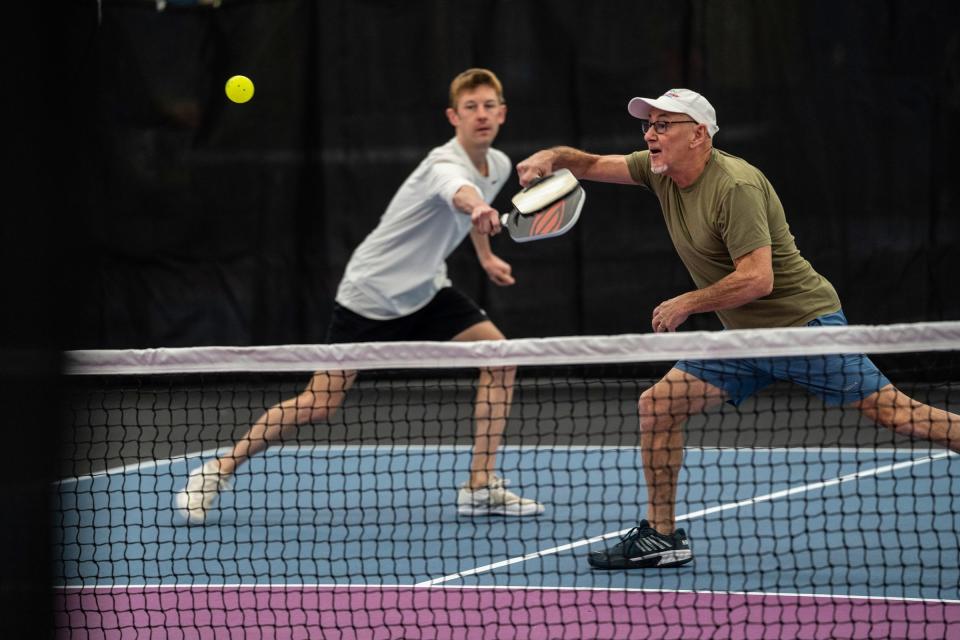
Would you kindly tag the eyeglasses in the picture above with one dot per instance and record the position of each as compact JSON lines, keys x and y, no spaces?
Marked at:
{"x":660,"y":126}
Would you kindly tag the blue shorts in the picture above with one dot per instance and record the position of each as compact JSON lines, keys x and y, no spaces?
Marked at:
{"x":837,"y":379}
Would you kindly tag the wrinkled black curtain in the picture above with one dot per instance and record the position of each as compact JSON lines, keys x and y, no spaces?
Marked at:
{"x":204,"y":222}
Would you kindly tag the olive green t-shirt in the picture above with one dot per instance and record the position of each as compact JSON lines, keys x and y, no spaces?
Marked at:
{"x":728,"y":212}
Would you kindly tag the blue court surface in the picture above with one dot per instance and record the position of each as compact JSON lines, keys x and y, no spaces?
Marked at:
{"x":845,"y":522}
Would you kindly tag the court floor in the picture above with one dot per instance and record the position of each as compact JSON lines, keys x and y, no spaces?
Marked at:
{"x":348,"y":540}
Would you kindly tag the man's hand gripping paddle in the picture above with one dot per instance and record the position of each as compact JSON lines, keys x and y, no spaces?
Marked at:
{"x":548,"y":207}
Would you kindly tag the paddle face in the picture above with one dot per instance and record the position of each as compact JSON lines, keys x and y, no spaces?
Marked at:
{"x":550,"y":221}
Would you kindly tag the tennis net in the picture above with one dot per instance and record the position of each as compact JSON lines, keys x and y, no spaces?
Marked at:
{"x":804,"y":518}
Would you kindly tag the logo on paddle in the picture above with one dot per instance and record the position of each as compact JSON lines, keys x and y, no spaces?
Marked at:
{"x":549,"y":220}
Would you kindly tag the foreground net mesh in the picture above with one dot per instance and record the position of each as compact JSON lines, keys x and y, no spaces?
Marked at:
{"x":804,"y":519}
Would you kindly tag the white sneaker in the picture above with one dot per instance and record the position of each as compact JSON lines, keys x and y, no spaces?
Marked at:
{"x":494,"y":500}
{"x":495,"y":479}
{"x":203,"y":488}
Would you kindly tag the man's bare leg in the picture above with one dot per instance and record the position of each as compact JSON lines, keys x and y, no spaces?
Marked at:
{"x":664,"y":408}
{"x":483,"y":494}
{"x":897,"y":411}
{"x":491,"y":407}
{"x":323,"y":395}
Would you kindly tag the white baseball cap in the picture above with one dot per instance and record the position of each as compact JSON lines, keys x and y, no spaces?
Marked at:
{"x":678,"y":101}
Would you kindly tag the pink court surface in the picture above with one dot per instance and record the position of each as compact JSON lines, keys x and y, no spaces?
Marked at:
{"x":484,"y":612}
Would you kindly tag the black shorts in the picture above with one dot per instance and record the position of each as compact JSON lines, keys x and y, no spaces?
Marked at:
{"x":449,"y":313}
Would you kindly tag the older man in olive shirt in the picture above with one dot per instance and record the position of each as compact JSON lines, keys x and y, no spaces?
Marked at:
{"x":729,"y":228}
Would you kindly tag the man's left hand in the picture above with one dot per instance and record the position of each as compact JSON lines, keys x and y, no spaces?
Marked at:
{"x":498,"y":271}
{"x":669,"y":315}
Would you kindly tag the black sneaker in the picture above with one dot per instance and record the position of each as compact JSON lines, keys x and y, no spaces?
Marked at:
{"x":644,"y":546}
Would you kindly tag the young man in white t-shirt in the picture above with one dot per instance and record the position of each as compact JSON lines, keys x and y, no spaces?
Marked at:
{"x":395,"y":287}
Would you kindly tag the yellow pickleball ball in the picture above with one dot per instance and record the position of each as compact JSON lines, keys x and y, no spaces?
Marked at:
{"x":239,"y":89}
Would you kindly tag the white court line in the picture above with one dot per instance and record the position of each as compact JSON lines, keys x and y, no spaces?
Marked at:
{"x":152,"y":464}
{"x":695,"y":514}
{"x":261,"y":586}
{"x":141,"y":465}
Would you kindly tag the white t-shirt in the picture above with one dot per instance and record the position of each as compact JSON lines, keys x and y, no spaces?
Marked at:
{"x":401,"y":265}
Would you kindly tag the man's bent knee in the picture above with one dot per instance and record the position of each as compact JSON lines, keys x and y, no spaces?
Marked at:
{"x":656,"y":412}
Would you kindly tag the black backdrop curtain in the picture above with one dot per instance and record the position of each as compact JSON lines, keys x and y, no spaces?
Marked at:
{"x":197,"y":221}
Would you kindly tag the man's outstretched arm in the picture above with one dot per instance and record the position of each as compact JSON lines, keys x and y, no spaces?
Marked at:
{"x":583,"y":165}
{"x":486,"y":221}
